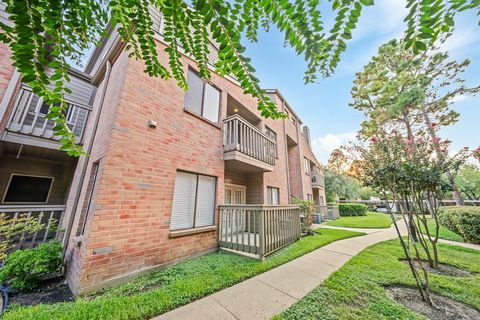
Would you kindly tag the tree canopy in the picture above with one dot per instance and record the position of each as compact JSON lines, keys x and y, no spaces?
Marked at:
{"x":46,"y":33}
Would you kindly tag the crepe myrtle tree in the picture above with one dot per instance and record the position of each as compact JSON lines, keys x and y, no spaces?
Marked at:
{"x":410,"y":172}
{"x":45,"y":34}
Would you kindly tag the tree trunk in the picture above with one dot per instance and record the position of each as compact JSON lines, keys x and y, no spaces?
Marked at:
{"x":456,"y":194}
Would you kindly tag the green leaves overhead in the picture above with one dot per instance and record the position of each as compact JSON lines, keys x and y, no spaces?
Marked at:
{"x":428,"y":19}
{"x":45,"y":34}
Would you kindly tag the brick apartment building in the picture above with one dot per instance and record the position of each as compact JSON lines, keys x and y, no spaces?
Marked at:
{"x":170,"y":174}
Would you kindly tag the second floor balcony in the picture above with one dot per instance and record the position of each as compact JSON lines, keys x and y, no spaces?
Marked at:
{"x":28,"y":121}
{"x":248,"y":146}
{"x":317,"y":180}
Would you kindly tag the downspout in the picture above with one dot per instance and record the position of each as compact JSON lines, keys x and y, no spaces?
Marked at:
{"x":287,"y":167}
{"x":68,"y":230}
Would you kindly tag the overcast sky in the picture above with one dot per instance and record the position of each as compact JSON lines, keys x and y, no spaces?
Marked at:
{"x":324,"y":106}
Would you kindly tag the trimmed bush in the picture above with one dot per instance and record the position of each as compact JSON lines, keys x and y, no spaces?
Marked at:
{"x":352,"y":209}
{"x":463,"y":220}
{"x":25,"y":268}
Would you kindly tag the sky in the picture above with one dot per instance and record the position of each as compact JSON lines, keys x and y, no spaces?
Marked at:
{"x":323,"y":106}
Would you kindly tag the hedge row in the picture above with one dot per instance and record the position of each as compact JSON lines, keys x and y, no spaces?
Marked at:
{"x":463,"y":220}
{"x":352,"y":209}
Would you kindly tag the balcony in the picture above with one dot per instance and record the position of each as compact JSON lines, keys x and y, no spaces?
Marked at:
{"x":317,"y":180}
{"x":257,"y":230}
{"x":49,"y":215}
{"x":28,"y":123}
{"x":247,"y":146}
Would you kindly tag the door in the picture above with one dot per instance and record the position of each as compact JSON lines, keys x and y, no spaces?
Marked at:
{"x":234,"y":194}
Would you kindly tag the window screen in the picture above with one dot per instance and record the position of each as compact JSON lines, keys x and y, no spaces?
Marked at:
{"x":28,"y":189}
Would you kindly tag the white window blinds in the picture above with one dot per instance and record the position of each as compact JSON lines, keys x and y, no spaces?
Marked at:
{"x":273,"y":195}
{"x":193,"y":201}
{"x":205,"y":201}
{"x":202,"y":98}
{"x":211,"y":103}
{"x":194,"y":95}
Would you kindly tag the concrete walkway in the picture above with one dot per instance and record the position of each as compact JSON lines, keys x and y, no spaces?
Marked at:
{"x":269,"y":293}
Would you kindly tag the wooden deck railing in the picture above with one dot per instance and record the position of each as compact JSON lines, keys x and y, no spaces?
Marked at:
{"x":29,"y":116}
{"x":240,"y":135}
{"x":50,"y":215}
{"x":258,"y":229}
{"x":328,"y":212}
{"x":317,"y":179}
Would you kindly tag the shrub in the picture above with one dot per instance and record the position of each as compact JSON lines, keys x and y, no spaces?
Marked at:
{"x":352,"y":209}
{"x":307,"y":208}
{"x":463,"y":220}
{"x":23,"y":269}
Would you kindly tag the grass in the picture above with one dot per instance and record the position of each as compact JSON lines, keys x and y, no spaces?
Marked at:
{"x":443,"y":233}
{"x":372,"y":220}
{"x":158,"y":292}
{"x":356,"y":291}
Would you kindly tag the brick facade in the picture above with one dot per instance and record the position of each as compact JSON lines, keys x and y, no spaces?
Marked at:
{"x":121,"y":224}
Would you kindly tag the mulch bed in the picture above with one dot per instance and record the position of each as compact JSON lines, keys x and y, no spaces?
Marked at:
{"x":443,"y":308}
{"x":51,"y":291}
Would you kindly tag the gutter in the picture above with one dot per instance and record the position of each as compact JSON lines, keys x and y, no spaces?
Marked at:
{"x":76,"y":200}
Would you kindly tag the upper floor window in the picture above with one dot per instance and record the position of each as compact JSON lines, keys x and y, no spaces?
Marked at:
{"x":202,"y":98}
{"x":193,"y":201}
{"x":270,"y":133}
{"x":306,"y":164}
{"x":310,"y":197}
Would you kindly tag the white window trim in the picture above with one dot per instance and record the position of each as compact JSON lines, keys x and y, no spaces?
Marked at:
{"x":28,"y":175}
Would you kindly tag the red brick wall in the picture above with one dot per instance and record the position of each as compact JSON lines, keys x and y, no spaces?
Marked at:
{"x":132,"y":200}
{"x":6,"y":73}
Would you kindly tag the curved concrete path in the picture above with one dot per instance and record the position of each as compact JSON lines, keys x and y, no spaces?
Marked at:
{"x":269,"y":293}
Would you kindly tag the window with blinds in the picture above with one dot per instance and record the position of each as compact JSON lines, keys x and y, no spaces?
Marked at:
{"x":193,"y":201}
{"x":202,"y":98}
{"x":306,"y":164}
{"x":273,"y":195}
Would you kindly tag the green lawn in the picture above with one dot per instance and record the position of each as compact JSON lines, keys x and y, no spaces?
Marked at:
{"x":356,"y":291}
{"x":372,"y":220}
{"x":443,"y":233}
{"x":158,"y":292}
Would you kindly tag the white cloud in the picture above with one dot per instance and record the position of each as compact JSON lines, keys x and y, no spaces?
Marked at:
{"x":459,"y":98}
{"x":323,"y":146}
{"x":384,"y":18}
{"x":460,"y":38}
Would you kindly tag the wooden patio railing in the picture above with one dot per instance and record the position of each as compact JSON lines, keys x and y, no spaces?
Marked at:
{"x":258,"y":229}
{"x":240,"y":135}
{"x":50,"y":215}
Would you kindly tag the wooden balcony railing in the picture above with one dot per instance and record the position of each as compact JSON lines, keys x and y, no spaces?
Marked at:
{"x":317,"y":179}
{"x":240,"y":135}
{"x":258,"y":229}
{"x":49,"y":215}
{"x":29,"y":116}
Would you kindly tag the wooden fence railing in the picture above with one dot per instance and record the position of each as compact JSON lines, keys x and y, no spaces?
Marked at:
{"x":49,"y":215}
{"x":240,"y":135}
{"x":258,"y":229}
